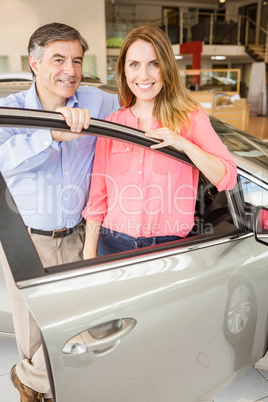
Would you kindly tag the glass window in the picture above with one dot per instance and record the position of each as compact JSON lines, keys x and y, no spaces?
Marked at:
{"x":254,"y":194}
{"x":4,"y":64}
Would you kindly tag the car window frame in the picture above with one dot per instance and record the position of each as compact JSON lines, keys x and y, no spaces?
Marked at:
{"x":98,"y":127}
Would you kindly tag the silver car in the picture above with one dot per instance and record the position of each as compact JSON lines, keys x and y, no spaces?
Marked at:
{"x":172,"y":322}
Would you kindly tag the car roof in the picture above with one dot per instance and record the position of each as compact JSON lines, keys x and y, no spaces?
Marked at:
{"x":16,"y":76}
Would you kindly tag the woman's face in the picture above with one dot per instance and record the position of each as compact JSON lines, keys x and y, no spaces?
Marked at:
{"x":142,"y":71}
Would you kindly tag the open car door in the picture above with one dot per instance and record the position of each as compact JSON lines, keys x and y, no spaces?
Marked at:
{"x":154,"y":324}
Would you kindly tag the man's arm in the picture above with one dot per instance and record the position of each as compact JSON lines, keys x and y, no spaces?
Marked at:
{"x":24,"y":149}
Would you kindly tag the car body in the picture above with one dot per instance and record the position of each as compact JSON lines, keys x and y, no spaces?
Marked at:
{"x":21,"y":76}
{"x":13,"y":82}
{"x":12,"y":87}
{"x":172,"y":322}
{"x":16,"y":76}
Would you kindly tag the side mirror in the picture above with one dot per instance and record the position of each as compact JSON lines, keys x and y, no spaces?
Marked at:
{"x":260,"y":225}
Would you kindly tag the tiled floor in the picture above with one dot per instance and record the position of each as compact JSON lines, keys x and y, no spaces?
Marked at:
{"x":8,"y":357}
{"x":250,"y":386}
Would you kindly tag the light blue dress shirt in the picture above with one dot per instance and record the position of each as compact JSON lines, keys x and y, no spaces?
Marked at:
{"x":49,"y":181}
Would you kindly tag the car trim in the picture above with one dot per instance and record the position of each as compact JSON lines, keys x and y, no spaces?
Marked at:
{"x":232,"y":209}
{"x":12,"y":245}
{"x":87,"y":267}
{"x":253,"y":178}
{"x":30,"y":118}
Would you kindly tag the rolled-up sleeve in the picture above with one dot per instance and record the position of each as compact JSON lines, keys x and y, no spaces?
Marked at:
{"x":204,"y":136}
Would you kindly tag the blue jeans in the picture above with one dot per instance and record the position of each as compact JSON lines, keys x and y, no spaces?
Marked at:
{"x":111,"y":242}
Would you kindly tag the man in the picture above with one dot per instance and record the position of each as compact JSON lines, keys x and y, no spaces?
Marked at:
{"x":48,"y":174}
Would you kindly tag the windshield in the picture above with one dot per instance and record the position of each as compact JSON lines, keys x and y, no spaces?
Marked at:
{"x":242,"y":144}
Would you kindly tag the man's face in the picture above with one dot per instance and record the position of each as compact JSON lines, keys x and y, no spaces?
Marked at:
{"x":59,"y":73}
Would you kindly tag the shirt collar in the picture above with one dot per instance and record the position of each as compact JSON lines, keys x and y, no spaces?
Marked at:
{"x":32,"y":101}
{"x":72,"y":101}
{"x":133,"y":120}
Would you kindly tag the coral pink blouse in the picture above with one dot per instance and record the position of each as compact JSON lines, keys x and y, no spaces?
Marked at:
{"x":142,"y":193}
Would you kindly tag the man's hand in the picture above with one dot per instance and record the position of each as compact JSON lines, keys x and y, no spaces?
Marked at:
{"x":76,"y":119}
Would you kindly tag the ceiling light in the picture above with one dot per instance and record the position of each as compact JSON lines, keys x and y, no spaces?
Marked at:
{"x":218,"y":57}
{"x":178,"y":57}
{"x":222,"y":1}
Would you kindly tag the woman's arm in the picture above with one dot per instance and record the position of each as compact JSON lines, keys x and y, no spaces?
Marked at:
{"x":203,"y":146}
{"x":96,"y":207}
{"x":91,"y":240}
{"x":211,"y":166}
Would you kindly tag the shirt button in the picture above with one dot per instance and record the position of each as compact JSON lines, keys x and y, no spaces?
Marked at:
{"x":66,"y":173}
{"x":26,"y":161}
{"x":127,"y":148}
{"x":46,"y":142}
{"x":139,"y":172}
{"x":141,"y":161}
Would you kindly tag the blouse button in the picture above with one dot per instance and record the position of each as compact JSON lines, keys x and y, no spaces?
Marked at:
{"x":127,"y":148}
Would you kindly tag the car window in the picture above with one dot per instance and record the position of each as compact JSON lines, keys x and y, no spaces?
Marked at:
{"x":242,"y":144}
{"x":254,"y":194}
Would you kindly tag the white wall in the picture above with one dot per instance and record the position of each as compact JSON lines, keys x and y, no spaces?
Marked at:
{"x":20,"y":18}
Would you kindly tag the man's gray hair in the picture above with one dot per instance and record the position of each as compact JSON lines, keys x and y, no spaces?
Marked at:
{"x":49,"y":33}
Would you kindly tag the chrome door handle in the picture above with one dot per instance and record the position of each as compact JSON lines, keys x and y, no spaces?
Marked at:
{"x":86,"y":342}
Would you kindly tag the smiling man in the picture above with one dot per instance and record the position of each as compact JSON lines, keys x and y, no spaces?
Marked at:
{"x":59,"y":74}
{"x":48,"y":174}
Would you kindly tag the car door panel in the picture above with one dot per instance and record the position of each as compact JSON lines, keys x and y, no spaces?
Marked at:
{"x":171,"y":299}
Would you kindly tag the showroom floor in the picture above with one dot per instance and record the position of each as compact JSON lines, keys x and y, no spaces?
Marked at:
{"x":250,"y":386}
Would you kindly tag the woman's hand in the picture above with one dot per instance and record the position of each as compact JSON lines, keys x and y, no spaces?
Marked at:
{"x":168,"y":138}
{"x":210,"y":165}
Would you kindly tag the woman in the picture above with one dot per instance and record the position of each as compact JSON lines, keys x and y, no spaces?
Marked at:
{"x":138,"y":197}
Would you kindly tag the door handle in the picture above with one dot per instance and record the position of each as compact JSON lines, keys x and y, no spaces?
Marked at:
{"x":101,"y":343}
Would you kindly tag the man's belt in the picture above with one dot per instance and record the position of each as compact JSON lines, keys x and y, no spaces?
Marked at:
{"x":58,"y":233}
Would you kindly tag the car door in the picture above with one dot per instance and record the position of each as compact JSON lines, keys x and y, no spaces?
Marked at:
{"x":147,"y":325}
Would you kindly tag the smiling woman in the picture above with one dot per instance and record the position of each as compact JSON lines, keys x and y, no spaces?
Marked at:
{"x":143,"y":77}
{"x":166,"y":112}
